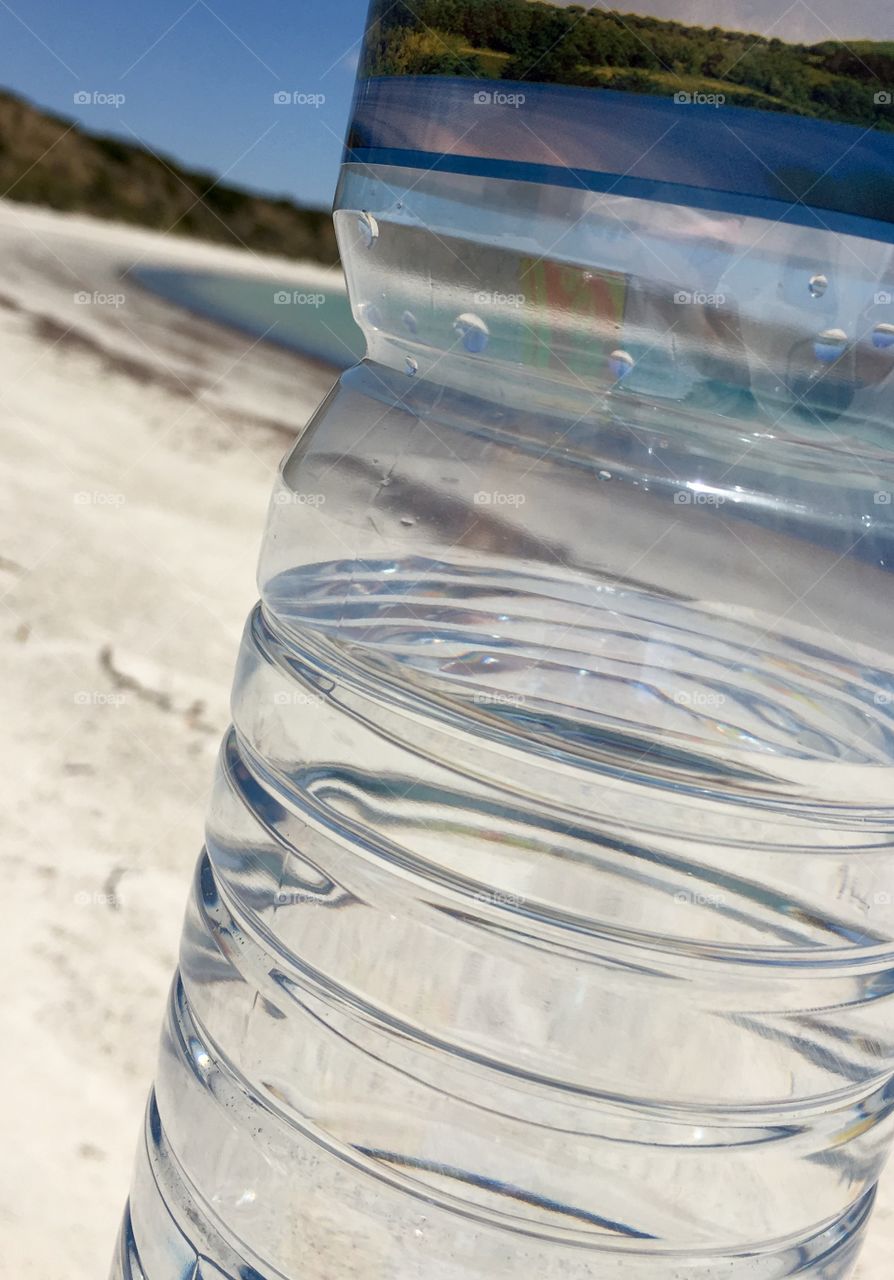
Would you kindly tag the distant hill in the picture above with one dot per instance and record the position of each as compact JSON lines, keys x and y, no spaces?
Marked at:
{"x":46,"y":160}
{"x":811,"y":23}
{"x":599,"y":48}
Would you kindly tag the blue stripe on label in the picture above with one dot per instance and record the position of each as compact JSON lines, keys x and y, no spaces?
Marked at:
{"x":730,"y":159}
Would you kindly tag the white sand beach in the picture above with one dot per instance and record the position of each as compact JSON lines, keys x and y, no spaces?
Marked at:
{"x":139,"y":448}
{"x":140,"y":445}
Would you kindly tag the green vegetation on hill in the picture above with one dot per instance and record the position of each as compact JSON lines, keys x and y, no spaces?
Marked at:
{"x":885,"y":47}
{"x":596,"y":48}
{"x":45,"y":160}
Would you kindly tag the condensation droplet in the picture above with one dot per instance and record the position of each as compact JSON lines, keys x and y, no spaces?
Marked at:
{"x":830,"y":345}
{"x":407,"y":520}
{"x":605,"y":475}
{"x":621,"y":364}
{"x":368,"y":229}
{"x":473,"y":331}
{"x":409,"y":322}
{"x":883,"y":336}
{"x":411,"y":367}
{"x":818,"y":285}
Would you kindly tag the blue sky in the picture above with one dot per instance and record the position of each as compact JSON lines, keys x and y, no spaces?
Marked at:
{"x":198,"y":79}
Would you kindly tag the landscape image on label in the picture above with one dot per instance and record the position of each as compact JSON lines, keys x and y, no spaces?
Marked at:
{"x":803,"y":65}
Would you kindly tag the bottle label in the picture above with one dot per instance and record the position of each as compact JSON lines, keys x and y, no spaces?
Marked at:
{"x":739,"y":105}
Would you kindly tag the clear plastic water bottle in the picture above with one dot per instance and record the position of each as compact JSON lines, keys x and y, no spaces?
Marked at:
{"x":544,"y":925}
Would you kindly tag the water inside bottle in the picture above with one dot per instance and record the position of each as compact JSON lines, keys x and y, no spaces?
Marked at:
{"x":544,"y":912}
{"x":545,"y":917}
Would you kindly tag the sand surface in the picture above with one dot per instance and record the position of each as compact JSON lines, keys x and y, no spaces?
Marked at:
{"x":139,"y":448}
